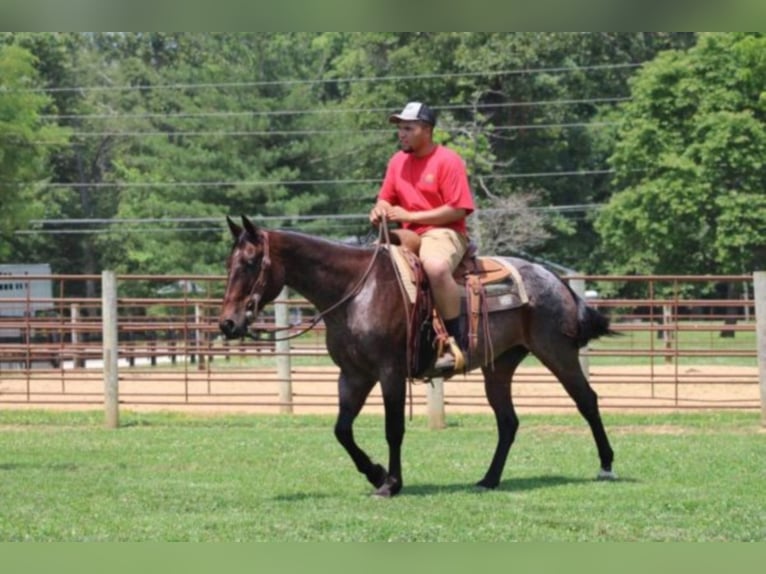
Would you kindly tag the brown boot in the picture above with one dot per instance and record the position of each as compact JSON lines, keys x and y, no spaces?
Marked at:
{"x":452,"y":358}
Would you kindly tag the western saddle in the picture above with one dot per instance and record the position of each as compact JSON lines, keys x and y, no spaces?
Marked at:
{"x":490,"y":284}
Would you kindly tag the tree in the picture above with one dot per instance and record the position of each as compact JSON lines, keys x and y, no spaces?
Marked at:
{"x":23,"y":160}
{"x":171,"y":130}
{"x":689,"y":157}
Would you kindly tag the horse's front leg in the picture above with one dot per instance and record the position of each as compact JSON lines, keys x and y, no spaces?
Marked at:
{"x":352,"y":393}
{"x":394,"y":395}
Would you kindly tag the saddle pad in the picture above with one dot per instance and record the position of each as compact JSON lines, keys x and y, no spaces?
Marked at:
{"x":404,"y":271}
{"x":518,"y":283}
{"x":501,"y":294}
{"x":504,"y":295}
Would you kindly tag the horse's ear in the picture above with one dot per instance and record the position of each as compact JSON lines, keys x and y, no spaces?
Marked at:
{"x":235,"y":229}
{"x":250,"y":227}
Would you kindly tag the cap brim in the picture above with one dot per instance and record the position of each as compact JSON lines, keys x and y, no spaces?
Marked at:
{"x":396,"y":118}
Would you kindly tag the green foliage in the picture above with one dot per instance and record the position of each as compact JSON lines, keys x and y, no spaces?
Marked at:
{"x":170,"y":132}
{"x":23,"y":159}
{"x":689,"y":157}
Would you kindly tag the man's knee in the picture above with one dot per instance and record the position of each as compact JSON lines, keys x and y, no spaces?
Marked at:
{"x":436,"y":269}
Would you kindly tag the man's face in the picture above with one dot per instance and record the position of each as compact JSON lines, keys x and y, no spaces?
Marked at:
{"x":413,"y":136}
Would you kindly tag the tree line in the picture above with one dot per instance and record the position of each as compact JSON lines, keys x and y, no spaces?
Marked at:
{"x":603,"y":152}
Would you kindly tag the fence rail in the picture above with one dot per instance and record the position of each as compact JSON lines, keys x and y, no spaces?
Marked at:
{"x":674,"y":351}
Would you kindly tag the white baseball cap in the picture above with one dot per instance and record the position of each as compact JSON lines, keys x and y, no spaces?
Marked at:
{"x":412,"y":112}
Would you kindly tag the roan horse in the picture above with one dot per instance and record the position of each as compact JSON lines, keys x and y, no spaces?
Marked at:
{"x":366,"y":335}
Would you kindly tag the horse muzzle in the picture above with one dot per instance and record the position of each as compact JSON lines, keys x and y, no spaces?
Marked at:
{"x":237,"y":326}
{"x":232,"y":330}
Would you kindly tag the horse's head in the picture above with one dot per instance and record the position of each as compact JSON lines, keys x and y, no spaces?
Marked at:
{"x":251,"y":280}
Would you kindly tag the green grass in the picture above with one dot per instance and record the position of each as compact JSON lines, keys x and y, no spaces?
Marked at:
{"x":168,"y":477}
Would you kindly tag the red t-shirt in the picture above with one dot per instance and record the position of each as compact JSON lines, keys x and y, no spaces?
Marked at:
{"x":423,"y":183}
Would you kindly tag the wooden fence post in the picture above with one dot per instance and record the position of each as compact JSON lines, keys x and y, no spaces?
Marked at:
{"x":759,"y":296}
{"x":282,"y":352}
{"x":435,"y":400}
{"x":198,"y":339}
{"x":110,"y":348}
{"x":74,"y":320}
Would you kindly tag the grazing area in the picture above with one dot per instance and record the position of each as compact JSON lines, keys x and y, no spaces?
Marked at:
{"x":181,"y":477}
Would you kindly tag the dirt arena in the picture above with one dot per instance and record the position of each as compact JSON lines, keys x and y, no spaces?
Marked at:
{"x":231,"y":390}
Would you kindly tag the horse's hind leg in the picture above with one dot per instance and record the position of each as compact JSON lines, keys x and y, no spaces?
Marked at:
{"x":352,"y":395}
{"x":563,"y":361}
{"x":497,"y":387}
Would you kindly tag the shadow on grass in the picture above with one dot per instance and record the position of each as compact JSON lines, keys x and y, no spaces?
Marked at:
{"x":299,"y":497}
{"x":52,"y":466}
{"x":521,"y":484}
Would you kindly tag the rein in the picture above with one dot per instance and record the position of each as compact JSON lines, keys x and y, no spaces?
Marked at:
{"x":266,"y":263}
{"x":383,"y":239}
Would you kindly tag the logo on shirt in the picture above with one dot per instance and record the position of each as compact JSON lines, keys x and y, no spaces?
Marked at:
{"x":429,"y":178}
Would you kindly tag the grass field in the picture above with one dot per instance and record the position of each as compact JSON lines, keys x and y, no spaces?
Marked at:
{"x":174,"y":477}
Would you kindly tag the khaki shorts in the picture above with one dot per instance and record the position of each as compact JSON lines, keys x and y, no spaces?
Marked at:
{"x":443,"y":243}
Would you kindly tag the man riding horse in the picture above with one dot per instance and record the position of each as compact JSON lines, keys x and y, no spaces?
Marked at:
{"x":426,"y":190}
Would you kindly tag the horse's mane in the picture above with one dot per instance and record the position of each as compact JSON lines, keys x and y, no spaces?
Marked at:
{"x":366,"y":247}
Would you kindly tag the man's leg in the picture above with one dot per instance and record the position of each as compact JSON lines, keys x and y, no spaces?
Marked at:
{"x":441,"y":251}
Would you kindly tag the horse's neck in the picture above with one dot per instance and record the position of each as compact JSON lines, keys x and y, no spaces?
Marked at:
{"x":320,"y":270}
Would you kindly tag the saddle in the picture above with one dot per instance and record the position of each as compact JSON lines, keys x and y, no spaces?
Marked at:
{"x":490,"y":284}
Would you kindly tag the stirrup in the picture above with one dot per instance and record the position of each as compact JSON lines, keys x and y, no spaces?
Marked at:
{"x":452,"y":358}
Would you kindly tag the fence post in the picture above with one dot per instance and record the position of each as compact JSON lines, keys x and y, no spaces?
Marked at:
{"x":578,"y":286}
{"x":110,"y":348}
{"x":282,"y":351}
{"x":759,"y":296}
{"x":435,"y":399}
{"x":74,"y":320}
{"x":198,"y":320}
{"x":668,"y":333}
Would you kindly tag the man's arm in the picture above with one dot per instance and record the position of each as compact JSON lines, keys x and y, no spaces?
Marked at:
{"x":438,"y":216}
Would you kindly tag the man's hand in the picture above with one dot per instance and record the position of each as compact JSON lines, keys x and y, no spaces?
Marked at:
{"x":376,"y":215}
{"x":378,"y":212}
{"x":398,"y":214}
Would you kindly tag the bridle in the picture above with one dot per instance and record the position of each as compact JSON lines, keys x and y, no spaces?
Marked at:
{"x":260,"y":282}
{"x":384,"y":239}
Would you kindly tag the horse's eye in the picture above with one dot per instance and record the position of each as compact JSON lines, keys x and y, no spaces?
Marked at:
{"x":251,"y":263}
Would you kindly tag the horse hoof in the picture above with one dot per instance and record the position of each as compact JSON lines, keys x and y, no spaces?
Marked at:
{"x":378,"y":476}
{"x":382,"y":492}
{"x":485,"y":484}
{"x":389,"y":489}
{"x":606,"y":475}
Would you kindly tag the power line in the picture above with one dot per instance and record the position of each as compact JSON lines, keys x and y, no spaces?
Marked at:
{"x":134,"y":220}
{"x":311,"y":111}
{"x":307,"y":132}
{"x":363,"y":79}
{"x":387,"y":131}
{"x":305,"y":182}
{"x":337,"y":220}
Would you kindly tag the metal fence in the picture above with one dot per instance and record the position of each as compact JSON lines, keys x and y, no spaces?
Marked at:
{"x":685,"y":343}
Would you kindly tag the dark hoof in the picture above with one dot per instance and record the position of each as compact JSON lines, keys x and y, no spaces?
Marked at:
{"x":389,"y":489}
{"x":487,"y":484}
{"x":377,"y":476}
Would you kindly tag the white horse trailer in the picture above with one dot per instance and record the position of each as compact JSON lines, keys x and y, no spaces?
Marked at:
{"x":21,"y":296}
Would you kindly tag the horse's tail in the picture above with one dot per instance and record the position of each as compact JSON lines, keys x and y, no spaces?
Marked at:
{"x":591,"y":323}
